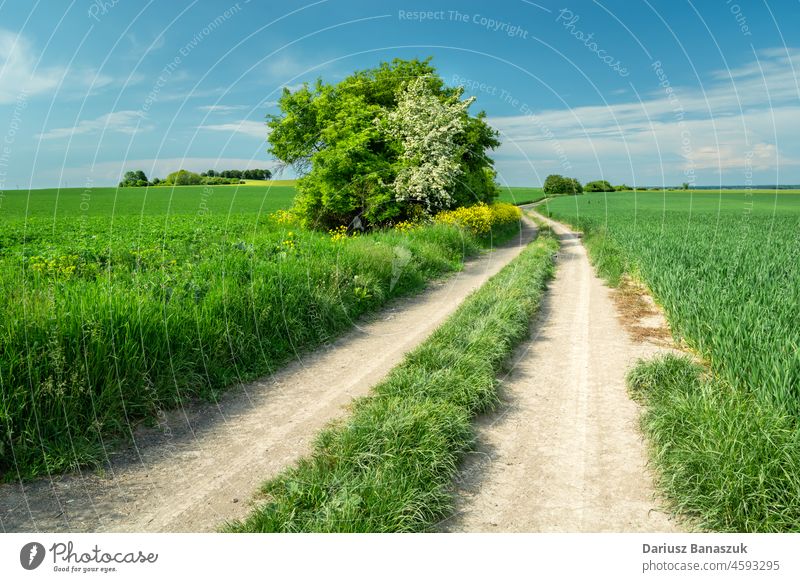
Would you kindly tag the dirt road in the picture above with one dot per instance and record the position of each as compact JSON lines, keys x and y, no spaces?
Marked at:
{"x":564,"y":453}
{"x":204,"y":466}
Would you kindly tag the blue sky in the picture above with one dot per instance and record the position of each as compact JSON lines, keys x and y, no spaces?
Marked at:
{"x":647,"y":93}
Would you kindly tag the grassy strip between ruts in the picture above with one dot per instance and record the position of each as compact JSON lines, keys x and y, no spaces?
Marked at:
{"x":725,"y":458}
{"x":389,"y":466}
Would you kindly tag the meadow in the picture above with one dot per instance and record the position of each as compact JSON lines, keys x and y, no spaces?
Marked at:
{"x":57,"y":203}
{"x":725,"y":266}
{"x":520,"y":194}
{"x":150,"y":297}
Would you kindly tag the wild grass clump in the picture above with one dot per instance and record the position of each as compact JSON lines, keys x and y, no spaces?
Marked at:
{"x":389,"y":466}
{"x":106,"y":325}
{"x":723,"y":458}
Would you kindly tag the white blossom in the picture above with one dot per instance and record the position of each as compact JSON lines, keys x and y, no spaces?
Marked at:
{"x":428,"y":129}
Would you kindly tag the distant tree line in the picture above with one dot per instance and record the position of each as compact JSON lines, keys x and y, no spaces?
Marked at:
{"x":239,"y":174}
{"x":556,"y":184}
{"x":134,"y":178}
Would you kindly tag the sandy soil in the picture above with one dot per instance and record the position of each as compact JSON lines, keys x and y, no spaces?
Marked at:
{"x":564,"y":452}
{"x":204,"y":465}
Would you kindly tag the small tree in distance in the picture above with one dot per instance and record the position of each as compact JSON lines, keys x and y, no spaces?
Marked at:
{"x":133,"y":178}
{"x":599,"y":186}
{"x":556,"y":184}
{"x":183,"y":178}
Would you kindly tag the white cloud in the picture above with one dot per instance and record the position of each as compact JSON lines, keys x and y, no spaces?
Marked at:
{"x":740,"y":121}
{"x":17,"y":71}
{"x":293,"y":87}
{"x":284,"y":67}
{"x":221,"y":108}
{"x":22,"y":73}
{"x":127,"y":122}
{"x":138,"y":47}
{"x":246,"y":127}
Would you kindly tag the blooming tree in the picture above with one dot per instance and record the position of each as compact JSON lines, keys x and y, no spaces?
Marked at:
{"x":382,"y":146}
{"x":429,"y":129}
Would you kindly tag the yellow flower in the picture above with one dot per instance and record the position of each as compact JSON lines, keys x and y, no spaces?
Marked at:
{"x":405,"y":226}
{"x":284,"y":217}
{"x":480,"y":218}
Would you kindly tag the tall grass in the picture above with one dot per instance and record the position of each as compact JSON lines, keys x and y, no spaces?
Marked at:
{"x":726,"y":441}
{"x":730,"y":286}
{"x":105,"y":323}
{"x":389,"y":467}
{"x":724,"y":458}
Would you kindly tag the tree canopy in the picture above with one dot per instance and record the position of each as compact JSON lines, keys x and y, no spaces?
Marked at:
{"x":254,"y":174}
{"x":133,"y":178}
{"x":183,"y":178}
{"x":382,"y":145}
{"x":599,"y":186}
{"x":557,"y":184}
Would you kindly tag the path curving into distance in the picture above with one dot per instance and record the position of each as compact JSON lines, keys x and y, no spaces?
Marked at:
{"x":209,"y":464}
{"x":563,"y":452}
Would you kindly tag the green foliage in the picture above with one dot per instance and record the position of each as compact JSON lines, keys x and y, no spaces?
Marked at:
{"x":598,"y":186}
{"x":556,"y":184}
{"x":254,"y":174}
{"x":133,"y":178}
{"x":389,"y":468}
{"x":332,"y":135}
{"x":216,"y":180}
{"x":622,"y":188}
{"x":183,"y":178}
{"x":477,"y":182}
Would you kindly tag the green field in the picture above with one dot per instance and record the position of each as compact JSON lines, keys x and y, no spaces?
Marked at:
{"x":724,"y":266}
{"x":600,"y":205}
{"x":147,"y":298}
{"x":726,"y":269}
{"x":154,"y":201}
{"x":520,"y":195}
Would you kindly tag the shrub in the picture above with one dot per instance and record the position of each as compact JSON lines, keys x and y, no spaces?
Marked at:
{"x":183,"y":178}
{"x":481,"y":218}
{"x":216,"y":180}
{"x":134,"y":178}
{"x":599,"y":186}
